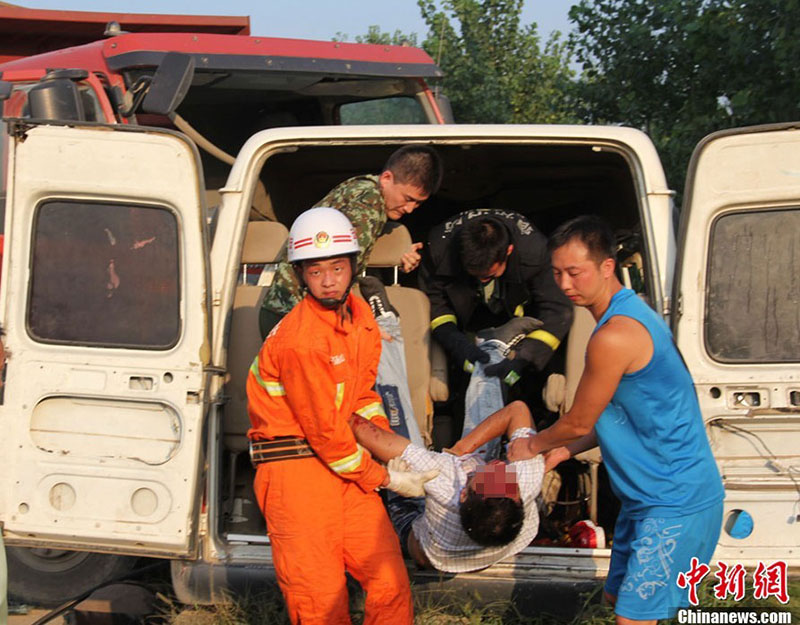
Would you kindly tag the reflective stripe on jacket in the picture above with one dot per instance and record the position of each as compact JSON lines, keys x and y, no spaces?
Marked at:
{"x":313,"y":372}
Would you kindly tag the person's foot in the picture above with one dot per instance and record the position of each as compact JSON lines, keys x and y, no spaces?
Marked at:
{"x":374,"y":292}
{"x":511,"y":332}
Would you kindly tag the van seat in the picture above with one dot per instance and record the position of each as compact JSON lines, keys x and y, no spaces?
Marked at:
{"x":263,"y":244}
{"x":415,"y":310}
{"x":261,"y":205}
{"x":580,"y":332}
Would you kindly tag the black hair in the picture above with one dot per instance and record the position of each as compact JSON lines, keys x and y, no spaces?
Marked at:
{"x":417,"y":165}
{"x":590,"y":230}
{"x":482,"y":242}
{"x":491,"y":521}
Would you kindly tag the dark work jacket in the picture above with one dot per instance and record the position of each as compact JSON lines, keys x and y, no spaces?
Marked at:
{"x":527,"y":281}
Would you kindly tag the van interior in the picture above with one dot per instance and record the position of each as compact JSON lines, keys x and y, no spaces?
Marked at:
{"x":546,"y":182}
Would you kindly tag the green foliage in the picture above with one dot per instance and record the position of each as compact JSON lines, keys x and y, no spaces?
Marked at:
{"x":374,"y":35}
{"x":495,"y":69}
{"x":680,"y":69}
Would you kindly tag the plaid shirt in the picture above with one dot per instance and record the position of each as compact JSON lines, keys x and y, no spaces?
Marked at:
{"x":439,"y":530}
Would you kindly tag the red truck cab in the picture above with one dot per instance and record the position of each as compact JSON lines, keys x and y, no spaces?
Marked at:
{"x":97,"y":67}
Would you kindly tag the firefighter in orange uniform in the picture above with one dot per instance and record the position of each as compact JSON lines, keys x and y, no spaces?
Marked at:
{"x":314,"y":484}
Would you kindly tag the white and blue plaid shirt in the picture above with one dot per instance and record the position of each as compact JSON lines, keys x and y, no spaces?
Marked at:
{"x":439,"y":530}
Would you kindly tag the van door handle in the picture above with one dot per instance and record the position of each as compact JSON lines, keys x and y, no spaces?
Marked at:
{"x":141,"y":383}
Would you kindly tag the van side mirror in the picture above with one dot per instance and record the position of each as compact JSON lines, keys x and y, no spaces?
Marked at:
{"x":5,"y":90}
{"x":170,"y":84}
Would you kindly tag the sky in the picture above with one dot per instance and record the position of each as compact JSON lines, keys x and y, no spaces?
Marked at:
{"x":312,"y":19}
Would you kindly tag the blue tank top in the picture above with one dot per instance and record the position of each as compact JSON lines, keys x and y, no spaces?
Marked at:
{"x":651,"y":434}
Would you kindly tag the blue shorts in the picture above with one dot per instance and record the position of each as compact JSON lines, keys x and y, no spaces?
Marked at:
{"x":649,"y":553}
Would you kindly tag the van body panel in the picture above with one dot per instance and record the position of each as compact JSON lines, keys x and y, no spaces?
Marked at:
{"x":106,"y":312}
{"x":87,"y":410}
{"x":738,"y":292}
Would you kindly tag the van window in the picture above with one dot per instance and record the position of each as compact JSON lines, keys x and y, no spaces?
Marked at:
{"x":105,"y":275}
{"x":753,"y":294}
{"x":383,"y":111}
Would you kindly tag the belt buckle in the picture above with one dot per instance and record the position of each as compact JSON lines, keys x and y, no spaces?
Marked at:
{"x":250,"y":452}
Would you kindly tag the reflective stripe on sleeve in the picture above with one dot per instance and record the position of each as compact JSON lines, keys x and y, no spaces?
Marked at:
{"x":273,"y":388}
{"x":545,"y":337}
{"x":519,"y":311}
{"x":440,"y":321}
{"x":374,"y":409}
{"x":348,"y":463}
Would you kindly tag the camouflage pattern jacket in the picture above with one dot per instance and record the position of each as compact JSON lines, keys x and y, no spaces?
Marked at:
{"x":360,"y":199}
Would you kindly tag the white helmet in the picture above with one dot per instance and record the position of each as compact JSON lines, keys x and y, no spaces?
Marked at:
{"x":321,"y":233}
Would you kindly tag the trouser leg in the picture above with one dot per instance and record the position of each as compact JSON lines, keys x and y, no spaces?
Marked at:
{"x":373,"y":557}
{"x":303,"y":504}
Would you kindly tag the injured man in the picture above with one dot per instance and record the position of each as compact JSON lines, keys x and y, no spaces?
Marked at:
{"x":475,"y":513}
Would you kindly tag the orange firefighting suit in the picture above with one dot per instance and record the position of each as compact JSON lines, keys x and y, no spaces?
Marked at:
{"x":323,"y":515}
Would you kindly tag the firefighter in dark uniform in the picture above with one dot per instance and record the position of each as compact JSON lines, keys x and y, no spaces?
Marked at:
{"x":482,"y":268}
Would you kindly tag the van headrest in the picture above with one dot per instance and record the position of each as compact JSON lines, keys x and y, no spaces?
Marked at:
{"x":263,"y":242}
{"x":390,"y":246}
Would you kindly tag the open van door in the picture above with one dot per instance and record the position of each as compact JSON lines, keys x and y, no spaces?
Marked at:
{"x":105,"y":306}
{"x":738,"y":327}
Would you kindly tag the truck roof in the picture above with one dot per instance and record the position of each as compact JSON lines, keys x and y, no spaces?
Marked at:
{"x":25,"y":32}
{"x":237,"y":53}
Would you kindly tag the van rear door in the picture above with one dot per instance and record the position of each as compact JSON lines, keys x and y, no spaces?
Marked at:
{"x":105,"y":306}
{"x":738,"y":327}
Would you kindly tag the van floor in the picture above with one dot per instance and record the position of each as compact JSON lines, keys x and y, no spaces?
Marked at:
{"x":565,"y":507}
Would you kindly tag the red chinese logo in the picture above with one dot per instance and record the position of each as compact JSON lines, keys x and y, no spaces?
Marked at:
{"x":769,"y":580}
{"x":731,"y":581}
{"x":692,"y":578}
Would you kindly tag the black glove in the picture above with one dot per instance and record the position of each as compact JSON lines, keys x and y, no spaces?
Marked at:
{"x":509,"y":370}
{"x":534,"y":352}
{"x":458,"y":346}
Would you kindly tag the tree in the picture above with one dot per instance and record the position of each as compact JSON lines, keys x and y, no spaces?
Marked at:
{"x":495,"y":70}
{"x":375,"y":35}
{"x":680,"y":69}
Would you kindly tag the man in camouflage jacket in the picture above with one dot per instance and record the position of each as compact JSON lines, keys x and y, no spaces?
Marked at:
{"x":411,"y":175}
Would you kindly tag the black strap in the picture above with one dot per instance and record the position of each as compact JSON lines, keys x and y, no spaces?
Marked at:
{"x":279,"y":448}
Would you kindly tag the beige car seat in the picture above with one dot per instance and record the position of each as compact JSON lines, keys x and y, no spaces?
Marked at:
{"x":263,"y":244}
{"x":414,"y":309}
{"x":560,"y":392}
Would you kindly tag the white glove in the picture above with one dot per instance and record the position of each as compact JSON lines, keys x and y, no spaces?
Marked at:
{"x":409,"y":484}
{"x":398,"y":464}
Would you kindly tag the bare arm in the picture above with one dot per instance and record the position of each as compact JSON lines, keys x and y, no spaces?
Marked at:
{"x":617,"y":348}
{"x":382,"y":444}
{"x":505,"y":421}
{"x":584,"y":443}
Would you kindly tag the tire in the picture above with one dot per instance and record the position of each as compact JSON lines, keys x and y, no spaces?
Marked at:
{"x":49,"y":577}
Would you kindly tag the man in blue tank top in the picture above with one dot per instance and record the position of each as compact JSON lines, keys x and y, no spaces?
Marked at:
{"x":636,"y":399}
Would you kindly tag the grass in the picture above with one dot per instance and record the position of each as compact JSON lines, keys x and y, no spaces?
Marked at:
{"x":448,"y":608}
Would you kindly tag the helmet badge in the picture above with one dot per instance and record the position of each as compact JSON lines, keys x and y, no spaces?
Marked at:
{"x":322,"y":239}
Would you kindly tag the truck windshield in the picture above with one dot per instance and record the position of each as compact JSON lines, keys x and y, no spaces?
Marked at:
{"x":404,"y":110}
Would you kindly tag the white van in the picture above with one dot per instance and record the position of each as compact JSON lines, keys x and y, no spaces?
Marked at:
{"x":131,"y":323}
